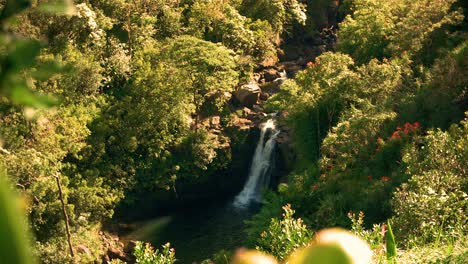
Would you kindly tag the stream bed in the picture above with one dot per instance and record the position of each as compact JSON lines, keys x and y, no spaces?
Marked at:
{"x":197,"y":233}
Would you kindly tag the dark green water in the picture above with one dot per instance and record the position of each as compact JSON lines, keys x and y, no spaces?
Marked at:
{"x":198,"y":232}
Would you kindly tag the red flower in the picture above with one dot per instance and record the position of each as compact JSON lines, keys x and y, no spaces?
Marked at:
{"x":315,"y":186}
{"x":417,"y":125}
{"x":395,"y":134}
{"x":310,"y":64}
{"x":370,"y":178}
{"x":385,"y":178}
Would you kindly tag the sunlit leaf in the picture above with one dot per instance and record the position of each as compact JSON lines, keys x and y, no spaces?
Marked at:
{"x":390,"y":243}
{"x":252,"y":257}
{"x":316,"y":254}
{"x":14,"y":246}
{"x":332,"y":246}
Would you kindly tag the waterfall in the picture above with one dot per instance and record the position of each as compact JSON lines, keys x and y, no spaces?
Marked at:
{"x":260,"y":170}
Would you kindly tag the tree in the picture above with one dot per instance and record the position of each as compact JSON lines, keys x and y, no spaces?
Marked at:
{"x":211,"y":68}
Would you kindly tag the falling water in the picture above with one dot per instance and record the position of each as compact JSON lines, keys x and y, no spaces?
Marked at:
{"x":260,"y":170}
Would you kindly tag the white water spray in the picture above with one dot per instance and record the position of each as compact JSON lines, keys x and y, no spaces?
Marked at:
{"x":260,"y":170}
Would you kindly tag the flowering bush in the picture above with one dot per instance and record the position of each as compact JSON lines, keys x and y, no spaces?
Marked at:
{"x":145,"y":254}
{"x":432,"y":205}
{"x":285,"y":235}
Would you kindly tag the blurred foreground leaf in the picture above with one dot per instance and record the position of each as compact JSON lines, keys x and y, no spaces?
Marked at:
{"x":252,"y":257}
{"x":22,"y":95}
{"x":14,"y":244}
{"x":317,"y":254}
{"x":21,"y":54}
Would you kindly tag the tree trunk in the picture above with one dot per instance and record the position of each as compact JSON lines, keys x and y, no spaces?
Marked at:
{"x":67,"y":223}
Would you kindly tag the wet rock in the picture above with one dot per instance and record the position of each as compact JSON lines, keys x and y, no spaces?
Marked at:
{"x":248,"y":94}
{"x":130,"y":247}
{"x":291,"y":67}
{"x":282,"y":74}
{"x":246,"y":111}
{"x":257,"y":108}
{"x":256,"y":77}
{"x":271,"y":74}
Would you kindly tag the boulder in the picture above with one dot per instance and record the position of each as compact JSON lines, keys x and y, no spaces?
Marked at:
{"x":130,"y":247}
{"x":248,"y":94}
{"x":246,"y":111}
{"x":116,"y":253}
{"x":264,"y":96}
{"x":271,"y":74}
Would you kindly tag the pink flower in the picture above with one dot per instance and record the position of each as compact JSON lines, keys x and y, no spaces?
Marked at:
{"x":383,"y":230}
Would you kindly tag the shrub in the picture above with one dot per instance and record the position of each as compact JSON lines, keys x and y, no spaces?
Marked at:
{"x":387,"y":28}
{"x":432,"y":205}
{"x":285,"y":235}
{"x":145,"y":254}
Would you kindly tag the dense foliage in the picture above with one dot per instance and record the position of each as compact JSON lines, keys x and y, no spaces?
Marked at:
{"x":103,"y":102}
{"x":132,"y":83}
{"x":379,"y":125}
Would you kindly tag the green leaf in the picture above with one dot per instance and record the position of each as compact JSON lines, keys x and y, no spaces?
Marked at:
{"x":22,"y":54}
{"x":14,"y":245}
{"x":321,"y":253}
{"x":13,"y":7}
{"x":45,"y":70}
{"x":21,"y":94}
{"x":390,"y":243}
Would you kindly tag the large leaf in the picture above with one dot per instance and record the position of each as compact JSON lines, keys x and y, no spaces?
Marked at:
{"x":21,"y":94}
{"x":317,"y":254}
{"x":22,"y":53}
{"x":47,"y":69}
{"x":390,"y":244}
{"x":14,"y":244}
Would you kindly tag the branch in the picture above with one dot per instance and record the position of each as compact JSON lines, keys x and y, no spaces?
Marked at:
{"x":5,"y":151}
